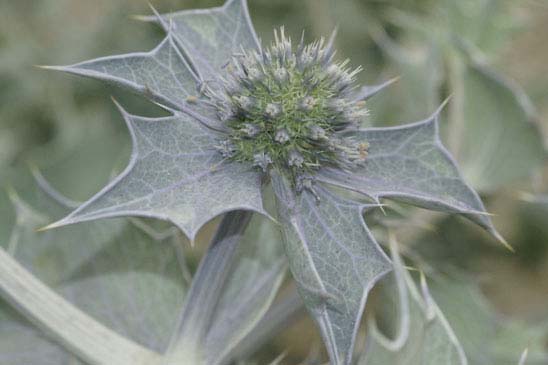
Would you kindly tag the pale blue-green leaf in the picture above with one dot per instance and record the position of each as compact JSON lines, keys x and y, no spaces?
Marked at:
{"x":210,"y":37}
{"x":490,"y":131}
{"x":161,"y":75}
{"x":410,"y":164}
{"x":174,"y":174}
{"x":334,"y":259}
{"x":500,"y":140}
{"x":429,"y":340}
{"x":114,"y":271}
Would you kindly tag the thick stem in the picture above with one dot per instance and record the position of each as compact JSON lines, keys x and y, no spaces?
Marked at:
{"x":206,"y":288}
{"x":73,"y":329}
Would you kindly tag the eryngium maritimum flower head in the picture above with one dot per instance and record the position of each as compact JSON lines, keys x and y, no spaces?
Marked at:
{"x":240,"y":112}
{"x":289,"y":109}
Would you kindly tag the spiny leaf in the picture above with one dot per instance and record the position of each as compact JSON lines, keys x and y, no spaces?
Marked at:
{"x":334,"y":260}
{"x":490,"y":131}
{"x":174,"y":174}
{"x":210,"y":37}
{"x":429,"y":340}
{"x":330,"y":237}
{"x":193,"y":186}
{"x":162,"y":74}
{"x":409,"y":163}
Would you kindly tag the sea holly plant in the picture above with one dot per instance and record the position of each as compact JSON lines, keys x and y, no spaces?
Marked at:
{"x":245,"y":117}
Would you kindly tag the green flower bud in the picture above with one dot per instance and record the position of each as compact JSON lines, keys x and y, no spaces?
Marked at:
{"x":295,"y":159}
{"x":262,"y":160}
{"x":288,"y":110}
{"x":281,"y":136}
{"x":273,"y":110}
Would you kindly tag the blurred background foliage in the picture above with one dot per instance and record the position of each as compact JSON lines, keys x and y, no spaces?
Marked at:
{"x":490,"y":56}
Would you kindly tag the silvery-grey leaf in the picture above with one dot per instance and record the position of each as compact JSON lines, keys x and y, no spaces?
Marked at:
{"x":210,"y":37}
{"x":334,"y":259}
{"x":174,"y":174}
{"x":490,"y":131}
{"x":162,"y":74}
{"x":430,"y":339}
{"x":410,"y":164}
{"x":113,"y":271}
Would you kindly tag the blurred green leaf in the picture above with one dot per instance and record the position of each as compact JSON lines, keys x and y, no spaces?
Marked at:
{"x":116,"y":272}
{"x":500,"y":141}
{"x":424,"y":336}
{"x":487,"y":337}
{"x":490,"y":128}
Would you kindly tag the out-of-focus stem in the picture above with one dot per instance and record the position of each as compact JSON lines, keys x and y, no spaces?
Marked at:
{"x":207,"y":284}
{"x":80,"y":334}
{"x":279,"y":317}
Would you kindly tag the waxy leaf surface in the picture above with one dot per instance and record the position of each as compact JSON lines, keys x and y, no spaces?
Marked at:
{"x":409,"y":163}
{"x":174,"y":174}
{"x":334,"y":259}
{"x":162,"y":74}
{"x":491,"y":127}
{"x":210,"y":37}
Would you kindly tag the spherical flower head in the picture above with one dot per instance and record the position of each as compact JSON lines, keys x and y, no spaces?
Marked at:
{"x":290,"y":109}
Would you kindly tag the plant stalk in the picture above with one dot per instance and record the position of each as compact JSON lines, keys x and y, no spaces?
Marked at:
{"x":289,"y":310}
{"x":80,"y":334}
{"x":207,"y":285}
